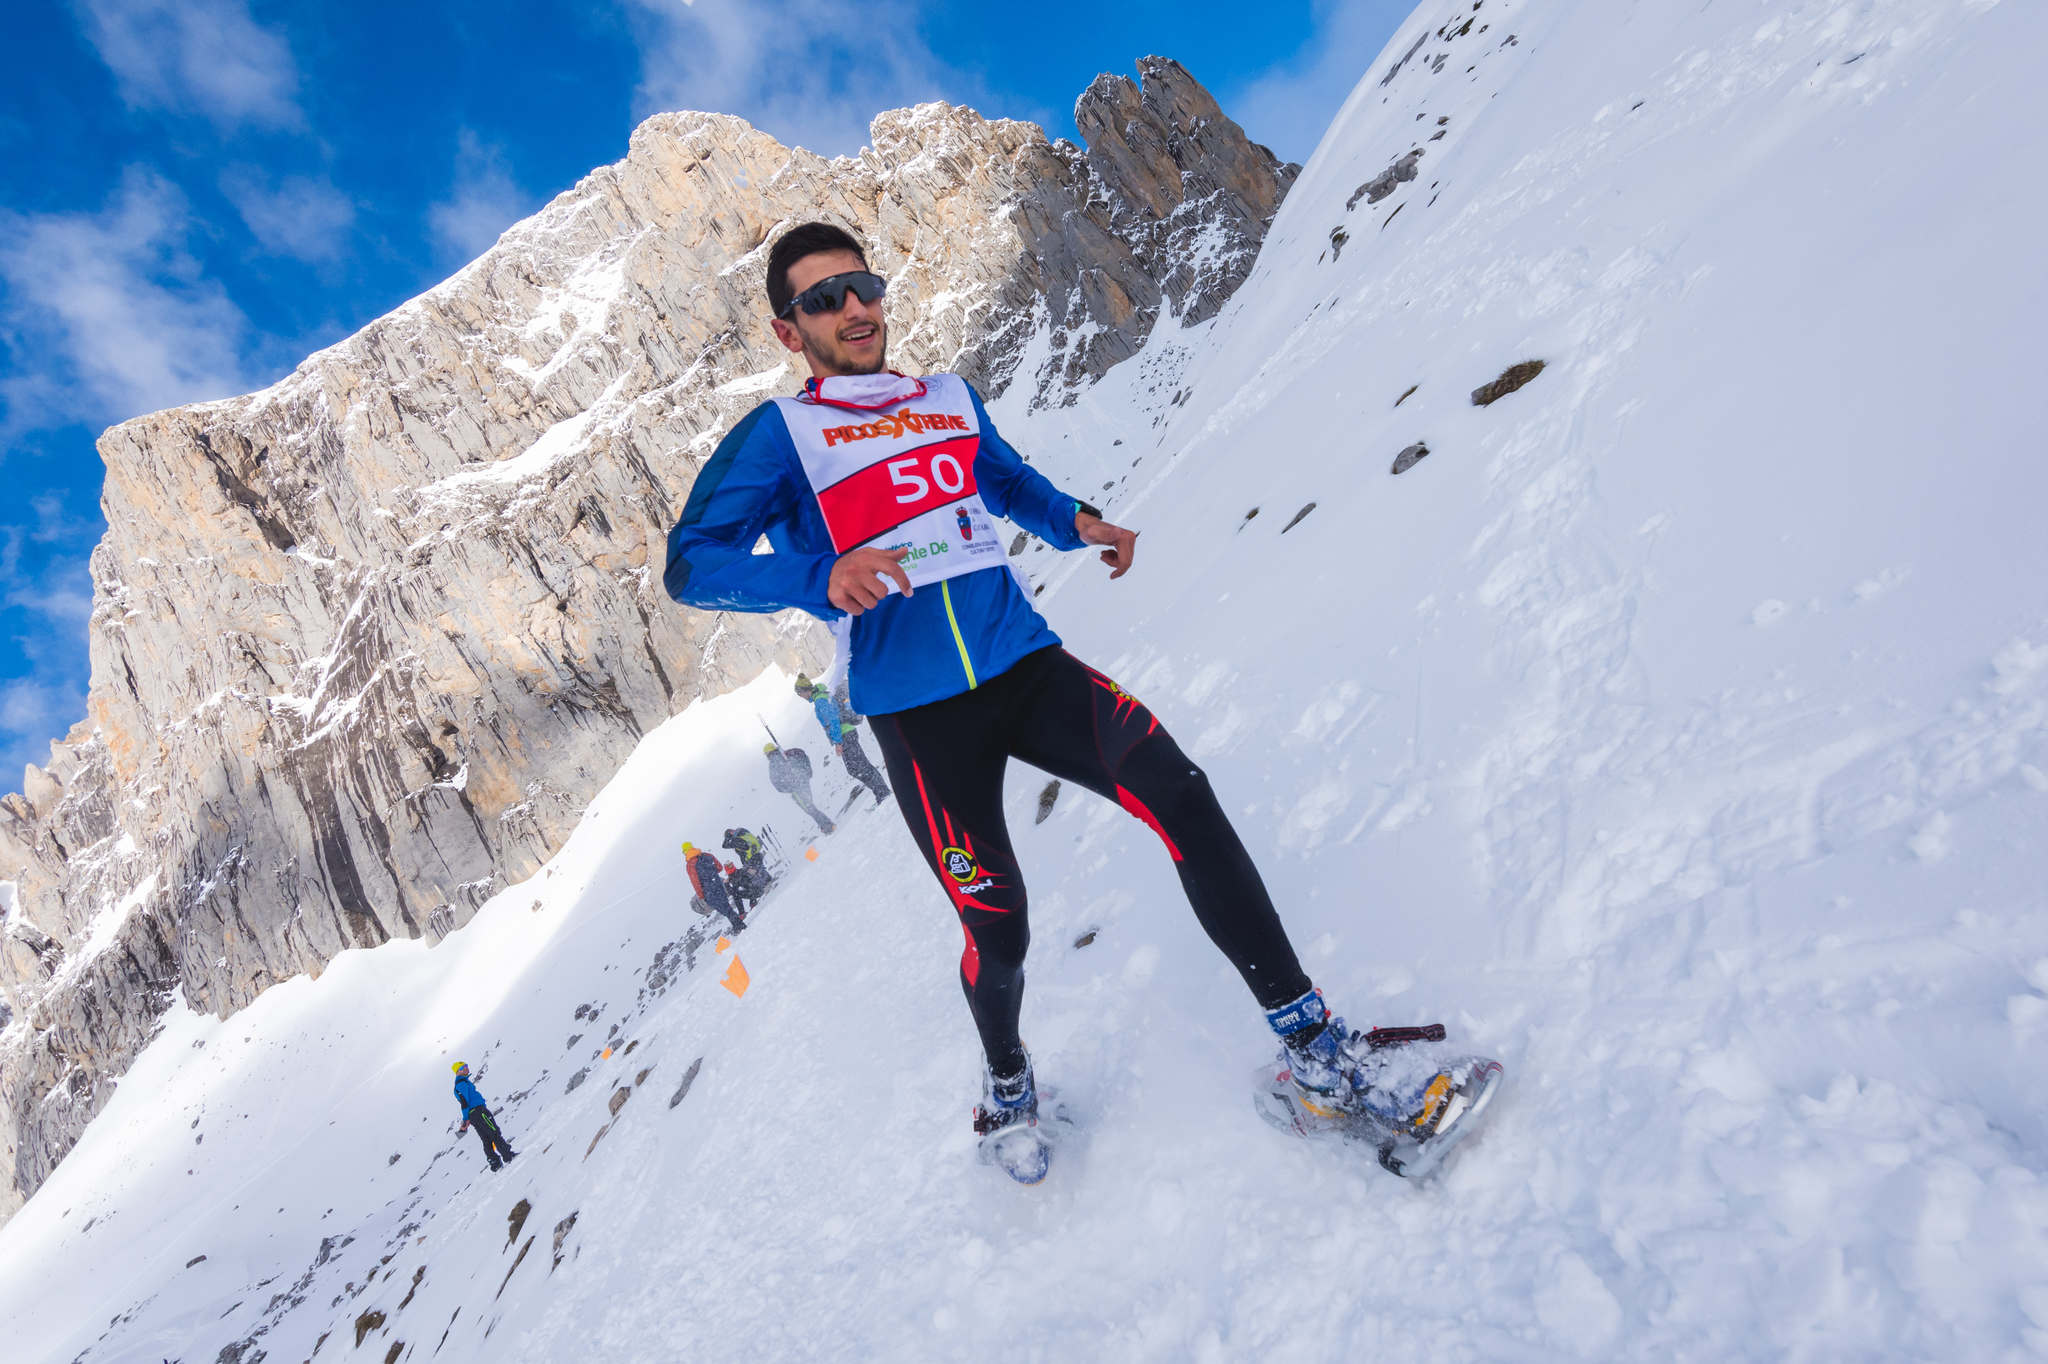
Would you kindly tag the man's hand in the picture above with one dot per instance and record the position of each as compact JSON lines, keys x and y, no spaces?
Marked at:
{"x":1123,"y":544}
{"x":856,"y":584}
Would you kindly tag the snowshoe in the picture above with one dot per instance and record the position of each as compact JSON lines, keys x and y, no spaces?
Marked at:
{"x":1012,"y":1136}
{"x":1413,"y":1100}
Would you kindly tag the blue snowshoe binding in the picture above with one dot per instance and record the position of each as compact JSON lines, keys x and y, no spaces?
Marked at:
{"x":1006,"y":1122}
{"x":1396,"y":1090}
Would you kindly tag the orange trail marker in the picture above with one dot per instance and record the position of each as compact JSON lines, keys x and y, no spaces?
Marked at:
{"x":810,"y":854}
{"x":735,"y":978}
{"x":607,"y":1055}
{"x":723,"y":943}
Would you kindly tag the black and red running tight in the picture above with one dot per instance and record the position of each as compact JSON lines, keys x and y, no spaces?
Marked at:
{"x":946,"y":762}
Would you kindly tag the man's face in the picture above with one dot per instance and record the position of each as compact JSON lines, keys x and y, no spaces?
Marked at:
{"x":853,"y":340}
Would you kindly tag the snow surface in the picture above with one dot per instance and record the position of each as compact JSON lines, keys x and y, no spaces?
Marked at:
{"x":1677,"y":730}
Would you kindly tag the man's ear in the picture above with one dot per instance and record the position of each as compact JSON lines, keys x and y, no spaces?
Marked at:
{"x":785,"y":331}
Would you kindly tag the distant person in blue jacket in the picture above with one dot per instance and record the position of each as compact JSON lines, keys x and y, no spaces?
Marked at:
{"x":838,"y":726}
{"x":474,"y":1114}
{"x":876,"y":491}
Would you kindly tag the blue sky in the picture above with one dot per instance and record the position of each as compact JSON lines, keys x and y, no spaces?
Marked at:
{"x":194,"y":194}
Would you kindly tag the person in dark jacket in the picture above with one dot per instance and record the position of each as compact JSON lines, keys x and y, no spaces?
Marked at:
{"x":789,"y":771}
{"x":839,"y":732}
{"x":751,"y":881}
{"x":474,"y":1114}
{"x":707,"y":878}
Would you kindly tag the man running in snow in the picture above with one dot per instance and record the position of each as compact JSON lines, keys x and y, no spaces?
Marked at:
{"x":876,"y":493}
{"x":840,"y":734}
{"x":497,"y":1150}
{"x":789,"y":771}
{"x":708,"y":880}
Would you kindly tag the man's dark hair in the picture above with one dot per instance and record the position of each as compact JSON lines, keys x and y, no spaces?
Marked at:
{"x":805,"y":239}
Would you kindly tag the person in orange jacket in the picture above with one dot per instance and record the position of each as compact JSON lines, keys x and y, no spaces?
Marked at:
{"x":707,"y":878}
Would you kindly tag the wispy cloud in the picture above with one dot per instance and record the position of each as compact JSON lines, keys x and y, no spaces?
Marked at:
{"x":1289,"y":108}
{"x":34,"y":713}
{"x":43,"y":562}
{"x":483,"y":201}
{"x":58,"y":586}
{"x":298,"y":216}
{"x":811,"y":73}
{"x":207,"y":58}
{"x":114,"y":311}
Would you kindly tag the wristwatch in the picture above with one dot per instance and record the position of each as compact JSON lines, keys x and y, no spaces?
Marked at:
{"x":1091,"y":509}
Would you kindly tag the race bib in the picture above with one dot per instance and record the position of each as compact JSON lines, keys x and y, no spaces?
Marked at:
{"x":891,"y":463}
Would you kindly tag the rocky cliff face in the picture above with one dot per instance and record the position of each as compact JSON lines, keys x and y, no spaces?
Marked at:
{"x":365,"y":643}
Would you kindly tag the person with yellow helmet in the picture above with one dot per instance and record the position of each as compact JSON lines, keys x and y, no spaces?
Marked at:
{"x":707,"y":878}
{"x":475,"y":1114}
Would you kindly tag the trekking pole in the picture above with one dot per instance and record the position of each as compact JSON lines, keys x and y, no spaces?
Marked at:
{"x":771,"y":733}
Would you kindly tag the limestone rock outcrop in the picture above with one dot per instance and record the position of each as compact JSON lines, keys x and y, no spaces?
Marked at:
{"x":366,"y":642}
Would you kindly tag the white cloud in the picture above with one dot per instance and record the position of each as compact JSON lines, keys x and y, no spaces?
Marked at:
{"x":114,"y":311}
{"x":60,"y":588}
{"x":1290,"y":106}
{"x":44,"y":566}
{"x":484,"y":201}
{"x":811,"y":73}
{"x":33,"y":713}
{"x":204,"y":57}
{"x":297,"y":216}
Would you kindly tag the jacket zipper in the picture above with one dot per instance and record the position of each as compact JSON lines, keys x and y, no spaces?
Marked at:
{"x":946,"y":592}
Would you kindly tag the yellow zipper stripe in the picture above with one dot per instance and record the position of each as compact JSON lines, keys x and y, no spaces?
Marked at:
{"x":958,"y":642}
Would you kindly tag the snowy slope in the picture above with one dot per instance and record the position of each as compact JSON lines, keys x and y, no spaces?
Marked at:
{"x":1677,"y":729}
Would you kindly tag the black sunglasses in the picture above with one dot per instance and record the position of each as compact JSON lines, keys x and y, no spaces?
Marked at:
{"x":829,"y":295}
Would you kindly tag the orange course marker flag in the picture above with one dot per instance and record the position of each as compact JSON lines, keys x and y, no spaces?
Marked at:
{"x":723,"y":943}
{"x":735,"y":978}
{"x":607,"y":1055}
{"x":810,"y":854}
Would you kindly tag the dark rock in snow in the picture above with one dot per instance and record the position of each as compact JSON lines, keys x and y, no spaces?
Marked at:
{"x":1408,"y":458}
{"x":1383,"y":184}
{"x":689,"y":1078}
{"x":1046,"y":798}
{"x":562,"y":1229}
{"x":1511,"y":378}
{"x":515,"y":1264}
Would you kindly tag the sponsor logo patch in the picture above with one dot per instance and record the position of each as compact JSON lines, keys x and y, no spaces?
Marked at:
{"x":894,"y":425}
{"x":959,"y":864}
